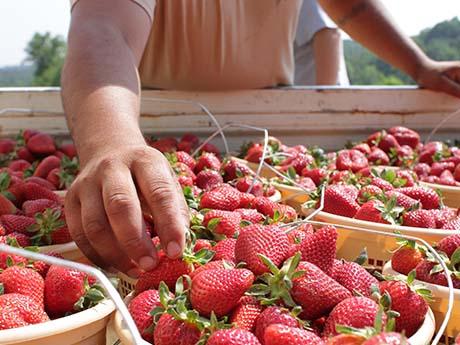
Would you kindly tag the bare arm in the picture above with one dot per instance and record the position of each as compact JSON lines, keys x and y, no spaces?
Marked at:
{"x":100,"y":92}
{"x":327,"y":48}
{"x":368,"y":22}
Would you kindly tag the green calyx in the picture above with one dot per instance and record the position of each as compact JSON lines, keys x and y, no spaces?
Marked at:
{"x":201,"y":257}
{"x":5,"y":181}
{"x":45,"y":224}
{"x":190,"y":198}
{"x":390,"y":211}
{"x":93,"y":295}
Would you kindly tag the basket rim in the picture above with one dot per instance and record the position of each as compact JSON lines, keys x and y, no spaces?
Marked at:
{"x":286,"y":187}
{"x":61,"y":325}
{"x":61,"y":248}
{"x":122,"y":332}
{"x":441,"y":187}
{"x":330,"y":217}
{"x":436,"y":290}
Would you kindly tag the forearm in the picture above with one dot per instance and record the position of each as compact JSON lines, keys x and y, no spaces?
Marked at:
{"x":100,"y":90}
{"x":327,"y":51}
{"x":368,"y":22}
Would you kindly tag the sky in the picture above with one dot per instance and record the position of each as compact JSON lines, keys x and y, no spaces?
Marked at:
{"x":20,"y":19}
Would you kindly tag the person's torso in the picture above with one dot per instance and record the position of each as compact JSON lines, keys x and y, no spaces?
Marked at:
{"x":220,"y":44}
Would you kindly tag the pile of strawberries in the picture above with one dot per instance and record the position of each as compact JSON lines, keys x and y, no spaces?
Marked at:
{"x":412,"y":257}
{"x":35,"y":292}
{"x":36,"y":157}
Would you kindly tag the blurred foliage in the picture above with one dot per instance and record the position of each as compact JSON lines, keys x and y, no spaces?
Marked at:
{"x":441,"y":42}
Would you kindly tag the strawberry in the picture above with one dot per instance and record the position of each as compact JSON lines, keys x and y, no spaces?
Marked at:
{"x":422,"y":169}
{"x":358,"y":312}
{"x":443,"y":215}
{"x":185,"y":158}
{"x":449,"y":244}
{"x":32,"y":207}
{"x":387,"y":338}
{"x":7,"y":146}
{"x":280,"y":334}
{"x":41,"y":144}
{"x":346,"y":339}
{"x":202,"y":244}
{"x":19,"y":310}
{"x":219,"y":290}
{"x":382,"y":184}
{"x":169,"y":331}
{"x":457,"y":173}
{"x":452,"y":224}
{"x":406,"y":257}
{"x":50,"y":228}
{"x":243,"y":184}
{"x":257,"y":239}
{"x":355,"y":278}
{"x":423,"y":273}
{"x":207,"y":161}
{"x":247,"y":200}
{"x":140,"y":307}
{"x":419,"y":219}
{"x":296,"y":237}
{"x":402,"y":296}
{"x":165,"y":144}
{"x":185,"y":146}
{"x":341,"y":200}
{"x":222,"y":222}
{"x":210,"y":148}
{"x":316,"y":292}
{"x":42,"y":267}
{"x":32,"y":191}
{"x":245,"y":314}
{"x":225,"y":250}
{"x":190,"y":138}
{"x":438,"y":167}
{"x":67,"y":291}
{"x":353,"y":160}
{"x":406,"y":176}
{"x":368,"y":192}
{"x":21,"y":239}
{"x":388,"y":142}
{"x":29,"y":133}
{"x":19,"y":165}
{"x":213,"y":265}
{"x":6,"y":206}
{"x":185,"y":181}
{"x":53,"y":177}
{"x":222,"y":197}
{"x":363,"y":147}
{"x":405,"y":136}
{"x":250,"y":215}
{"x":207,"y":179}
{"x":16,"y":223}
{"x":24,"y":153}
{"x":378,"y":157}
{"x":233,"y":336}
{"x":320,"y":248}
{"x":46,"y":165}
{"x":302,"y":161}
{"x":428,"y":197}
{"x":233,"y":169}
{"x":69,"y":150}
{"x":402,"y":200}
{"x":25,"y":281}
{"x":374,"y":211}
{"x":402,"y":156}
{"x":318,"y":175}
{"x":447,"y":178}
{"x":270,"y":316}
{"x":429,"y":150}
{"x":254,"y":153}
{"x":41,"y":182}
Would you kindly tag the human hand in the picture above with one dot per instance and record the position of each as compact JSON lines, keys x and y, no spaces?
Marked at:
{"x":440,"y":76}
{"x":104,"y":214}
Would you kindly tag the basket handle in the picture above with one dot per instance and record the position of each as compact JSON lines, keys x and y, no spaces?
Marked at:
{"x":440,"y":124}
{"x":109,"y":288}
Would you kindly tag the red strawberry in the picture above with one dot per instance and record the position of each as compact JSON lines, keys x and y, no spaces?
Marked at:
{"x":185,"y":146}
{"x":254,"y":153}
{"x":363,"y":147}
{"x":210,"y":148}
{"x":221,"y":198}
{"x":202,"y":244}
{"x":449,"y":244}
{"x":246,"y":200}
{"x":167,"y":270}
{"x":428,"y":197}
{"x":19,"y":165}
{"x":387,"y":338}
{"x":185,"y":181}
{"x":422,"y":169}
{"x":41,"y":144}
{"x":21,"y":239}
{"x":388,"y":142}
{"x":406,"y":177}
{"x":302,"y":161}
{"x":190,"y":138}
{"x":46,"y":165}
{"x":423,"y":273}
{"x":140,"y":308}
{"x":406,"y":258}
{"x":457,"y":173}
{"x":64,"y":288}
{"x":222,"y":222}
{"x":7,"y":146}
{"x":372,"y":211}
{"x":233,"y":336}
{"x":316,"y":292}
{"x":225,"y":250}
{"x":41,"y":182}
{"x":207,"y":161}
{"x":318,"y":175}
{"x":32,"y":191}
{"x":341,"y":200}
{"x":219,"y":290}
{"x":169,"y":331}
{"x":296,"y":238}
{"x":403,"y":156}
{"x":69,"y":150}
{"x":438,"y":167}
{"x":6,"y":206}
{"x":405,"y":136}
{"x":207,"y":179}
{"x":32,"y":207}
{"x":165,"y":144}
{"x":25,"y":281}
{"x":250,"y":215}
{"x":447,"y":178}
{"x":183,"y":169}
{"x":19,"y":310}
{"x":243,"y":184}
{"x":320,"y":248}
{"x":382,"y":184}
{"x":378,"y":157}
{"x":355,"y":278}
{"x":428,"y":151}
{"x":24,"y":153}
{"x":42,"y":267}
{"x":280,"y":334}
{"x":29,"y":133}
{"x":353,"y":160}
{"x":419,"y":219}
{"x":410,"y":319}
{"x":443,"y":215}
{"x":233,"y":169}
{"x":246,"y":312}
{"x":270,"y":241}
{"x":50,"y":228}
{"x":358,"y":312}
{"x":16,"y":223}
{"x":185,"y":158}
{"x":346,"y":339}
{"x":369,"y":191}
{"x":270,"y":316}
{"x":402,"y":199}
{"x":212,"y":265}
{"x":452,"y":224}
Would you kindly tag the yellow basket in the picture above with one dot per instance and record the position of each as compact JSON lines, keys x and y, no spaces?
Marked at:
{"x":87,"y":327}
{"x":450,"y":194}
{"x":264,"y":172}
{"x":291,"y":195}
{"x":350,"y":242}
{"x":126,"y":284}
{"x":439,"y":305}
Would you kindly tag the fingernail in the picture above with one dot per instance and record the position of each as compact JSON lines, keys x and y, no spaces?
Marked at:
{"x":173,"y":249}
{"x":147,"y":263}
{"x":134,"y":273}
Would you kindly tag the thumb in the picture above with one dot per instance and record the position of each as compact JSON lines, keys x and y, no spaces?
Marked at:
{"x":448,"y":86}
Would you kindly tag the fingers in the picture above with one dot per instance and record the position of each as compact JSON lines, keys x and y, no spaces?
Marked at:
{"x":449,"y":86}
{"x":124,"y":215}
{"x":165,"y":200}
{"x":99,"y":233}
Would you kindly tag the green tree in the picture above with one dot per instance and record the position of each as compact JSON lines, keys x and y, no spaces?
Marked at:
{"x":47,"y":53}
